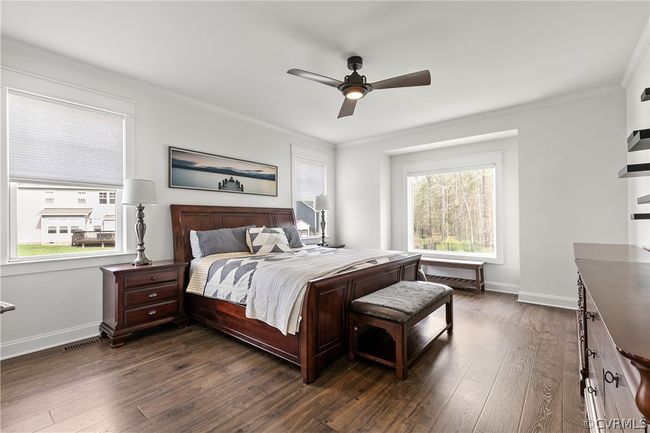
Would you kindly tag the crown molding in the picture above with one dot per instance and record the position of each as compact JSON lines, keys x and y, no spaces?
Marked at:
{"x":69,"y":62}
{"x":642,"y":46}
{"x":485,"y":115}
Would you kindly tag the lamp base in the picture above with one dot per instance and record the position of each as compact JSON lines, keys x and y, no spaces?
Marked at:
{"x":322,"y":244}
{"x":140,"y":228}
{"x":141,"y":261}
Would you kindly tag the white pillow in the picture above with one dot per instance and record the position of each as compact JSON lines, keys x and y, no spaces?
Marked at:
{"x":264,"y":240}
{"x":195,"y":244}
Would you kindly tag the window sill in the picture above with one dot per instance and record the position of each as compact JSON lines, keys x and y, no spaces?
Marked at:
{"x":24,"y":267}
{"x":459,"y":256}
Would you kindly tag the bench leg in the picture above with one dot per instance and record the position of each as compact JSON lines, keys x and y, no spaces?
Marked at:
{"x":401,"y":369}
{"x":352,"y":339}
{"x":449,"y":313}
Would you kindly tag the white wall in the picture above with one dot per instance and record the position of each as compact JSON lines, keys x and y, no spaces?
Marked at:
{"x":570,"y":150}
{"x":502,"y":276}
{"x":636,"y":79}
{"x":57,"y":306}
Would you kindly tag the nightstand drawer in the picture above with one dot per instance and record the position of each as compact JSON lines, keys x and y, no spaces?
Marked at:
{"x":152,"y":294}
{"x":150,"y":313}
{"x":144,"y":278}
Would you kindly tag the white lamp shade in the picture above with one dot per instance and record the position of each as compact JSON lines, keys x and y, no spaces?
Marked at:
{"x":322,"y":202}
{"x":139,"y":191}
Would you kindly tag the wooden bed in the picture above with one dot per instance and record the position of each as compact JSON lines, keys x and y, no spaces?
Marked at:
{"x":322,"y":337}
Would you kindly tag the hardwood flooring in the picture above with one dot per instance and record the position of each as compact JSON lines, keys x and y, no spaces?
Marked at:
{"x":507,"y":368}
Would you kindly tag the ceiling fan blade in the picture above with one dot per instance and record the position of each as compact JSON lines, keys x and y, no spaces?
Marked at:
{"x":347,"y":109}
{"x":420,"y":78}
{"x":315,"y":77}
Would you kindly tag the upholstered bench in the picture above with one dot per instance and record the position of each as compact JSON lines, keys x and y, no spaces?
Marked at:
{"x":397,"y":309}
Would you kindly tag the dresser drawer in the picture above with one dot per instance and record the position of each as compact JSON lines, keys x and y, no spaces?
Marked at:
{"x":151,"y":294}
{"x":150,"y":313}
{"x":154,"y":277}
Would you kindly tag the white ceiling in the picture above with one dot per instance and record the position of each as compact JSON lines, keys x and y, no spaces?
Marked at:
{"x":482,"y":55}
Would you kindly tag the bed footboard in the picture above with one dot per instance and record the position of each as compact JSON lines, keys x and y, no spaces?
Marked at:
{"x":323,"y":329}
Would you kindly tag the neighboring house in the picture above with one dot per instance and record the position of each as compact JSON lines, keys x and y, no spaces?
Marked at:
{"x":58,"y":224}
{"x":307,"y":219}
{"x":54,"y":214}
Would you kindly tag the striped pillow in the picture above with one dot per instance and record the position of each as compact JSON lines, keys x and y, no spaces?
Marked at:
{"x":264,"y":240}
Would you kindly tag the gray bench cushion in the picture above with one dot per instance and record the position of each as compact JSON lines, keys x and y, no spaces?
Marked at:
{"x":401,"y":301}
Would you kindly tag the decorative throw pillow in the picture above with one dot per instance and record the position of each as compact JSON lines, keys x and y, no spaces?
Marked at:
{"x":219,"y":241}
{"x":293,"y":236}
{"x":263,"y":240}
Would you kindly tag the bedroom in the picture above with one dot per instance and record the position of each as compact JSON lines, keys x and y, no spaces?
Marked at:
{"x":550,"y":111}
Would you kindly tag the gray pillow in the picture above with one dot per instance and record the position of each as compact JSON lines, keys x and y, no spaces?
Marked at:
{"x":292,"y":236}
{"x":220,"y":241}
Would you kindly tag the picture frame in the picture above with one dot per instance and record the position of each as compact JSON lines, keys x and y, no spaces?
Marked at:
{"x":191,"y":169}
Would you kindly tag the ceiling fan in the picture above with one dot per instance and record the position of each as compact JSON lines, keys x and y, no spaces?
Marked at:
{"x":355,"y":87}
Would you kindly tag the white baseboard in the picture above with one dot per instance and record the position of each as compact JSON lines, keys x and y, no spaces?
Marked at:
{"x":495,"y":286}
{"x":23,"y":346}
{"x":548,"y":300}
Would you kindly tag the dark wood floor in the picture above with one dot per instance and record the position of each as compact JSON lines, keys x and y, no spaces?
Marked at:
{"x":508,"y":367}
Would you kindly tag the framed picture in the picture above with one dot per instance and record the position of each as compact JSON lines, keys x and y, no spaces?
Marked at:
{"x":190,"y":169}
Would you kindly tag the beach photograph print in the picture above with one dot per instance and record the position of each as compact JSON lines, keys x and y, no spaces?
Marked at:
{"x":198,"y":170}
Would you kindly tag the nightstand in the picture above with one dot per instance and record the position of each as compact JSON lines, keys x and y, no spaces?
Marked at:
{"x":141,"y":297}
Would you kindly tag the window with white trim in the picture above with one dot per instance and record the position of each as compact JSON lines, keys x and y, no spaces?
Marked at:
{"x":452,"y":210}
{"x":69,"y":151}
{"x":309,"y":180}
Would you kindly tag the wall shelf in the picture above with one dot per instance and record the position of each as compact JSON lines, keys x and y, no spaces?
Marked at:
{"x":640,"y":216}
{"x":643,"y":200}
{"x":645,"y":96}
{"x":638,"y":140}
{"x":635,"y":170}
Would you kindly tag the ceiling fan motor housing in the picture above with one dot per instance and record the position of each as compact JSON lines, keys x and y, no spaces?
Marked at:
{"x":355,"y":85}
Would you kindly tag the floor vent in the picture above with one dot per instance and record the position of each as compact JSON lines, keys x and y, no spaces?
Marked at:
{"x":80,"y":344}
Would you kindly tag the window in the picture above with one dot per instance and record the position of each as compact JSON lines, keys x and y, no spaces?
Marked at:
{"x":453,"y":211}
{"x":310,"y":180}
{"x":103,"y":197}
{"x":61,"y":149}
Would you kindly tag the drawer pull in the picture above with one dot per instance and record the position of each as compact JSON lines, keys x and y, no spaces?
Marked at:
{"x":153,"y":294}
{"x":591,"y":390}
{"x":611,"y":378}
{"x":152,"y":312}
{"x":153,"y":278}
{"x":589,"y":315}
{"x":591,"y":353}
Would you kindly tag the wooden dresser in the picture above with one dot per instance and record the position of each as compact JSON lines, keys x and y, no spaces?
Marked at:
{"x":137,"y":298}
{"x":613,"y":323}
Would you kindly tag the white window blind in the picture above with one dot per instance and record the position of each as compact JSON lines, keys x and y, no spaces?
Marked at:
{"x":53,"y":141}
{"x":310,"y":179}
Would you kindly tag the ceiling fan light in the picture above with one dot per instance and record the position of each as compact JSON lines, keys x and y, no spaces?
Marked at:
{"x":354,"y":92}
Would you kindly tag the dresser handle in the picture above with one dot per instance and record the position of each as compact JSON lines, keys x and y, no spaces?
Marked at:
{"x":591,"y":390}
{"x":152,"y":312}
{"x":153,"y":294}
{"x":153,"y":278}
{"x":590,"y":352}
{"x":611,"y":378}
{"x":591,"y":316}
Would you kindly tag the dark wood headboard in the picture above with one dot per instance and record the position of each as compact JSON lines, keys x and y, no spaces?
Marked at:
{"x":195,"y":217}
